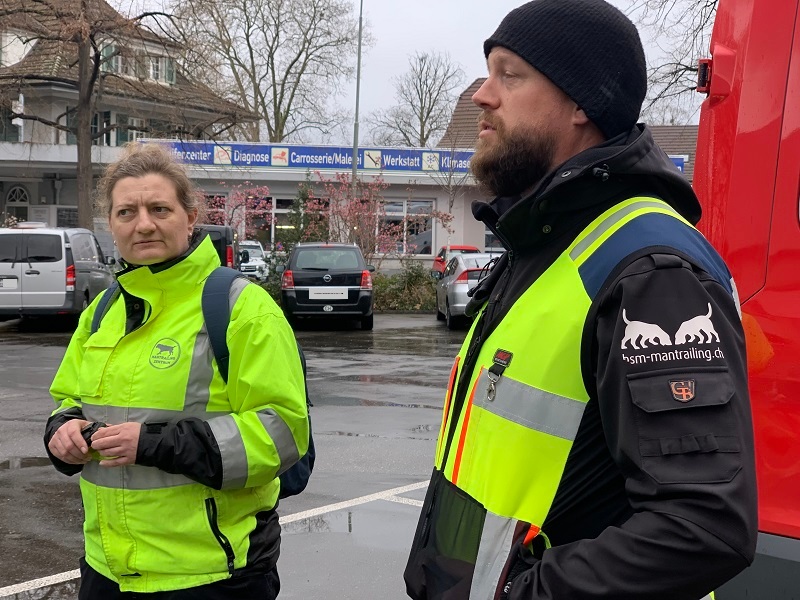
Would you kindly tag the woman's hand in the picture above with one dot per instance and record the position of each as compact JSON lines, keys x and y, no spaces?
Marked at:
{"x":118,"y":443}
{"x":68,"y":445}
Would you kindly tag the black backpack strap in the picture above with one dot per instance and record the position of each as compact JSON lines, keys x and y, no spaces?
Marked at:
{"x":217,"y":307}
{"x":104,"y":304}
{"x":217,"y":313}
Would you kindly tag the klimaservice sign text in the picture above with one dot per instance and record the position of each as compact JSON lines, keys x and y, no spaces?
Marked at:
{"x":332,"y":158}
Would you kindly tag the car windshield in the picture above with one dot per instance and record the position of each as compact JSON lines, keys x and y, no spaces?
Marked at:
{"x":476,"y":263}
{"x":253,"y":251}
{"x":322,"y":258}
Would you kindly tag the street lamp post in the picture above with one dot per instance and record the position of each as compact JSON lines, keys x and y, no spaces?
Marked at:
{"x":358,"y":93}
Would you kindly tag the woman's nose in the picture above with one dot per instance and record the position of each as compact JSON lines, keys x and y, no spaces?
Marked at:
{"x":144,"y":222}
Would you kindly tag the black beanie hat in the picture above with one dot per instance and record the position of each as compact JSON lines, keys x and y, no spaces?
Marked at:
{"x":589,"y":49}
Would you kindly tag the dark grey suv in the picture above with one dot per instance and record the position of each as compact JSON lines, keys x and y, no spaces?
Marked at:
{"x":329,"y":281}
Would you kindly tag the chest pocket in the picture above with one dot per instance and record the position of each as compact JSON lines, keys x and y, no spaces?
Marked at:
{"x":96,"y":355}
{"x":687,"y":431}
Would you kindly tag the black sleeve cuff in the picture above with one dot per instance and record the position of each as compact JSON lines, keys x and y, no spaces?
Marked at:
{"x":187,"y":447}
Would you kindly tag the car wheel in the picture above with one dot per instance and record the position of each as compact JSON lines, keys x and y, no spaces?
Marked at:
{"x":366,"y":323}
{"x":439,"y":315}
{"x":291,"y":319}
{"x":451,"y":321}
{"x":85,"y":304}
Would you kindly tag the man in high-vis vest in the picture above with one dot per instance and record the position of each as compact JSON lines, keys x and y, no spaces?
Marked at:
{"x":597,"y":438}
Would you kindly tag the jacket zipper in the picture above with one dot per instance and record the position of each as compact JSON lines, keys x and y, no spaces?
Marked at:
{"x":211,"y":511}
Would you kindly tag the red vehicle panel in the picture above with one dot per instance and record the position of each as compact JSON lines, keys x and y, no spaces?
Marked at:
{"x":748,"y":179}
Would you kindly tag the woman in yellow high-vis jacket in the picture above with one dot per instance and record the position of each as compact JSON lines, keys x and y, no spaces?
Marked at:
{"x":180,"y":484}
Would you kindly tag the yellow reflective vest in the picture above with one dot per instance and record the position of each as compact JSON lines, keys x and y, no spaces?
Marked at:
{"x":150,"y":530}
{"x":509,"y":424}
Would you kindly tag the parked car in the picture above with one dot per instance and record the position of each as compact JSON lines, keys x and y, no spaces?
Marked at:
{"x":443,"y":256}
{"x":330,"y":281}
{"x":463,"y":272}
{"x":50,"y":271}
{"x":254,"y":266}
{"x":226,"y":241}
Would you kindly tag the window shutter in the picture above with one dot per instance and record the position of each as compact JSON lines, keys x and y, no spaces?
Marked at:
{"x":122,"y":129}
{"x":170,"y":71}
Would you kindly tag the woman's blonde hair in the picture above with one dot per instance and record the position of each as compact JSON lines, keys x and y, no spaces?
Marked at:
{"x":139,"y":160}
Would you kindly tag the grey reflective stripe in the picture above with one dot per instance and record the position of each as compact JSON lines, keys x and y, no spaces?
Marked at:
{"x":736,"y":298}
{"x":495,"y":547}
{"x":531,"y":407}
{"x":612,"y":220}
{"x":281,"y":436}
{"x":132,"y":477}
{"x":201,"y":372}
{"x":707,"y":597}
{"x":236,"y":289}
{"x":231,"y":449}
{"x":115,"y":414}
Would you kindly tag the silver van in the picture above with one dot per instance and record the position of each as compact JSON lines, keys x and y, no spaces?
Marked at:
{"x":50,"y":271}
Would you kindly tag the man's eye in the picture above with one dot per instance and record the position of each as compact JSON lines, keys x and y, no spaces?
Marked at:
{"x":161,"y":209}
{"x":124,"y":212}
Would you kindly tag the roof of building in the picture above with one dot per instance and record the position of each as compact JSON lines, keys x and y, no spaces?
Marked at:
{"x":462,"y":132}
{"x":53,"y":61}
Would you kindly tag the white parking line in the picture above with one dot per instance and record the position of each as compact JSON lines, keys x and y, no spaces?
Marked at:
{"x":409,"y":501}
{"x":35,"y":584}
{"x":354,"y":502}
{"x":390,"y":495}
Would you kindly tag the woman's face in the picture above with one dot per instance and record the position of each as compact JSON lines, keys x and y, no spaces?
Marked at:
{"x":148,"y":222}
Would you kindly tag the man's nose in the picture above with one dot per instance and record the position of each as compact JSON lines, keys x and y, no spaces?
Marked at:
{"x":485,"y":97}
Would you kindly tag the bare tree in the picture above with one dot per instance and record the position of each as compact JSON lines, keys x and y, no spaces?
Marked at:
{"x":425,"y":95}
{"x":282,"y":59}
{"x":683,"y":28}
{"x":68,"y":45}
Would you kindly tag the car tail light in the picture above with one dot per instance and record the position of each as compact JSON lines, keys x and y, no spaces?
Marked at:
{"x":287,"y":281}
{"x":71,"y":278}
{"x":366,"y":280}
{"x":463,"y":277}
{"x":229,"y":256}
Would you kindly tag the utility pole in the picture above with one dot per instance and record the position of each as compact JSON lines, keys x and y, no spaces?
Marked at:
{"x":358,"y":93}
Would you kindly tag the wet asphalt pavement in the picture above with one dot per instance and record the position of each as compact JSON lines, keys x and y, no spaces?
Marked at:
{"x":377,"y":406}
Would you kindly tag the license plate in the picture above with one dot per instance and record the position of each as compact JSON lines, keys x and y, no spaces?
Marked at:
{"x":9,"y":284}
{"x":327,"y":293}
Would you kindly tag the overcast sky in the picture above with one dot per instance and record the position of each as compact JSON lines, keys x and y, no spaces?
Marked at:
{"x":401,"y":27}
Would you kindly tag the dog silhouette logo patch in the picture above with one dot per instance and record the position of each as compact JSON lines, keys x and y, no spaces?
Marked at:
{"x":643,"y":333}
{"x":165,"y":353}
{"x":682,"y":389}
{"x":699,"y":329}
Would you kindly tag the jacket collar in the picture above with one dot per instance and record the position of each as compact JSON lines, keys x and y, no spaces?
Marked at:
{"x":176,"y":278}
{"x":588,"y":183}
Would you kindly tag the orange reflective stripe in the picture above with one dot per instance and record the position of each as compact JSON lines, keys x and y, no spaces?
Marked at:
{"x":464,"y":426}
{"x":448,"y":398}
{"x":531,"y":535}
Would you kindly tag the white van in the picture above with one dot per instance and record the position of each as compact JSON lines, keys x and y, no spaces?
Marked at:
{"x":50,"y":271}
{"x":255,"y":267}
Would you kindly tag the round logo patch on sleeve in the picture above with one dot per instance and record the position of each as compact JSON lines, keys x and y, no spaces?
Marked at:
{"x":165,"y":353}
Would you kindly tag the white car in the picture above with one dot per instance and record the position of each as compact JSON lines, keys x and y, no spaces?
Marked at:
{"x":255,"y":267}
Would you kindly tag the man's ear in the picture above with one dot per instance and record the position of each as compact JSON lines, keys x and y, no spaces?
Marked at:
{"x":579,"y":117}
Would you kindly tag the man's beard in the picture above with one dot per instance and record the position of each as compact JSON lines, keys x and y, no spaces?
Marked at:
{"x":515,"y":162}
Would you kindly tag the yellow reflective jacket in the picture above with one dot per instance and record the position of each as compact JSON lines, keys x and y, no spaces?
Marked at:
{"x":151,"y":530}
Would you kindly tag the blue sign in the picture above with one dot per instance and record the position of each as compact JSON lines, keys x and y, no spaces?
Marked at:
{"x":337,"y":158}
